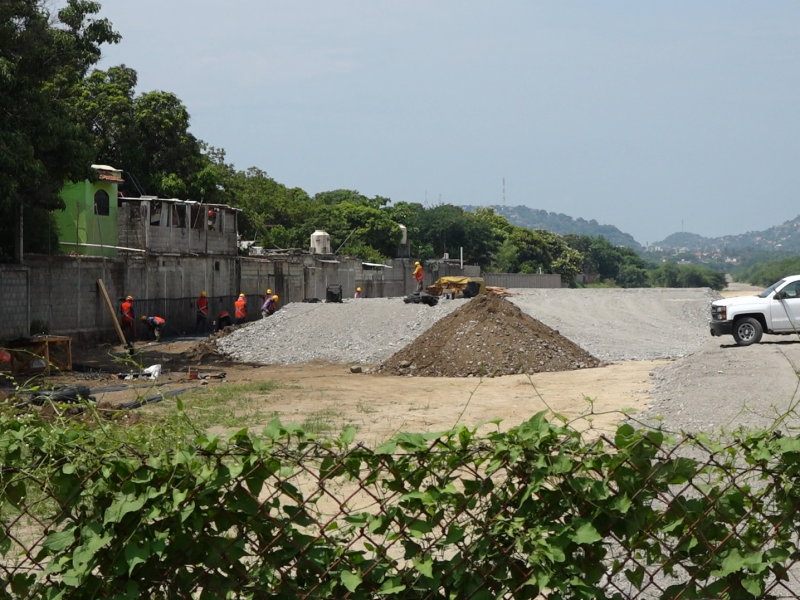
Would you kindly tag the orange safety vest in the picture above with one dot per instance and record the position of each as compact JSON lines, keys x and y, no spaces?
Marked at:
{"x":202,"y":306}
{"x":127,"y":311}
{"x":241,"y":308}
{"x":418,"y":274}
{"x":159,"y":321}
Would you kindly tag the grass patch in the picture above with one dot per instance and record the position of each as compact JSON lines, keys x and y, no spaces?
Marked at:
{"x":321,"y":421}
{"x":365,"y":408}
{"x":229,"y":405}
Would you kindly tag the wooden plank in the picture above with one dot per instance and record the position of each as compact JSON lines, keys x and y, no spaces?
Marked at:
{"x":110,"y":308}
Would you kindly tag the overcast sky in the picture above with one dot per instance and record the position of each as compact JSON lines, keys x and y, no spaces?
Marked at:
{"x":642,"y":115}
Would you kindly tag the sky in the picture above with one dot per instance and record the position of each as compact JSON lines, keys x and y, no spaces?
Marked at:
{"x":655,"y":117}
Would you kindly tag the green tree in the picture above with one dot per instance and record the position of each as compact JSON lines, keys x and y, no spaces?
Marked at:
{"x":43,"y":142}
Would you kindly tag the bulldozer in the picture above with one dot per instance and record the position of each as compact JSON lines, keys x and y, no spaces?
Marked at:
{"x":458,"y":287}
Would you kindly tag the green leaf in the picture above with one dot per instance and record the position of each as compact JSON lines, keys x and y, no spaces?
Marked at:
{"x":350,"y":580}
{"x":635,"y":577}
{"x":586,"y":533}
{"x":122,"y":505}
{"x":753,"y":585}
{"x":386,"y":448}
{"x":424,"y":566}
{"x":134,"y":554}
{"x":418,"y":528}
{"x":348,"y":435}
{"x":60,"y":540}
{"x":412,"y":441}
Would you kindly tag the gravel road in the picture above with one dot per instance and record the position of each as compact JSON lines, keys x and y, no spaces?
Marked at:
{"x":625,"y":324}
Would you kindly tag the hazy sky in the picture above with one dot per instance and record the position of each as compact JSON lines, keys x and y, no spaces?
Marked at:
{"x":637,"y":114}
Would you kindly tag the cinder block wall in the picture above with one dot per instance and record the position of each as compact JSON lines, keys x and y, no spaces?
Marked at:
{"x":62,"y":290}
{"x":15,"y":319}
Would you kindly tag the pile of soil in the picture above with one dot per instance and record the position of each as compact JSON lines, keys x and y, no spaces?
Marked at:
{"x":206,"y":350}
{"x":488,"y":336}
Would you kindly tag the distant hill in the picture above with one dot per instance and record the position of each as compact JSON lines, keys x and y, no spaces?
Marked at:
{"x":784,"y":237}
{"x":562,"y":224}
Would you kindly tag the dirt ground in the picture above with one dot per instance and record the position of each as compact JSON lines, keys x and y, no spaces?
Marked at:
{"x":327,"y":397}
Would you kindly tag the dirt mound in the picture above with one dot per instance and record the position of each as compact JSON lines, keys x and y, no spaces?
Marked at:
{"x":488,"y":336}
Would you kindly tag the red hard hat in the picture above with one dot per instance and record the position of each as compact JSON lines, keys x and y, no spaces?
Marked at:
{"x":210,"y":213}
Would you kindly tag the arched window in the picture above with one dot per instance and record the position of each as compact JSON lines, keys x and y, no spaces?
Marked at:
{"x":101,"y":203}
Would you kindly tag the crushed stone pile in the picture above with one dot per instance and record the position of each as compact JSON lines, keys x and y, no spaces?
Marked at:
{"x":364,"y":331}
{"x":488,"y":336}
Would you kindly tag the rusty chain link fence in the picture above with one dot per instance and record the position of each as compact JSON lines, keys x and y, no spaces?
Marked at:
{"x":534,"y":512}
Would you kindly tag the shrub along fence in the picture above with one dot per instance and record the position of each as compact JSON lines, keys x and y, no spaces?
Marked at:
{"x":535,"y":512}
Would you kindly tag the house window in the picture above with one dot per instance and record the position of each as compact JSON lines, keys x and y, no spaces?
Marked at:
{"x":156,"y":213}
{"x":197,"y":217}
{"x":101,"y":203}
{"x":179,"y":216}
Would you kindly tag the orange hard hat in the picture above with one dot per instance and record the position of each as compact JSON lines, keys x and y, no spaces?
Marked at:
{"x":202,"y":294}
{"x":358,"y":289}
{"x":241,"y":295}
{"x":210,"y":213}
{"x":275,"y":297}
{"x":129,"y":298}
{"x":269,"y":291}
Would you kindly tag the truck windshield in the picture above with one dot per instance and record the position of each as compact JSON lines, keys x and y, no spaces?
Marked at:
{"x":771,"y":289}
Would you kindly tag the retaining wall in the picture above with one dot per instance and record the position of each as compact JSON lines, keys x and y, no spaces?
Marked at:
{"x":519,"y":280}
{"x":62,"y":290}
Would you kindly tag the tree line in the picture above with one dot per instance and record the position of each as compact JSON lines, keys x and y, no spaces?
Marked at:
{"x":58,"y":116}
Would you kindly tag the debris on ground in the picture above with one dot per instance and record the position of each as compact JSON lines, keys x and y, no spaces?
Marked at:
{"x":488,"y":336}
{"x":204,"y":351}
{"x":500,"y":291}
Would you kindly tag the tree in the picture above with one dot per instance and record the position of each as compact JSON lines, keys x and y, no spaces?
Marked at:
{"x":43,"y":142}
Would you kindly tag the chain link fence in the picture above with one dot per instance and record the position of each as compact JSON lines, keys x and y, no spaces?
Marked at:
{"x":535,"y":512}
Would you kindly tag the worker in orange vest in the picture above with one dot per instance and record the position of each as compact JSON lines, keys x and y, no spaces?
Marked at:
{"x":241,"y":309}
{"x":128,"y":320}
{"x":418,"y":275}
{"x":202,"y":313}
{"x":155,"y":324}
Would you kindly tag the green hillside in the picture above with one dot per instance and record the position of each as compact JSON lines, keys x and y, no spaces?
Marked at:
{"x":562,"y":224}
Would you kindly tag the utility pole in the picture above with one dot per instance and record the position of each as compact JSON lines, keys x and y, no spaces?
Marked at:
{"x":504,"y":192}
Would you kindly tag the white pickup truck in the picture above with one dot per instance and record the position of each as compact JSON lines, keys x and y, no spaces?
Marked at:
{"x":775,"y":310}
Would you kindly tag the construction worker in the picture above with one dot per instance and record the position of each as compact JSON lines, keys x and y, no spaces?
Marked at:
{"x":418,"y":275}
{"x":155,"y":324}
{"x":269,"y":306}
{"x":202,"y":313}
{"x":358,"y":293}
{"x":241,"y":309}
{"x":224,"y":319}
{"x":128,"y":320}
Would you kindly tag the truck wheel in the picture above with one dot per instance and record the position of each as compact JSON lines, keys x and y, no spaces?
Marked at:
{"x":747,"y":331}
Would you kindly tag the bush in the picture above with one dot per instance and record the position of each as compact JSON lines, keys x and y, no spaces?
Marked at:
{"x":687,"y":276}
{"x":765,"y":274}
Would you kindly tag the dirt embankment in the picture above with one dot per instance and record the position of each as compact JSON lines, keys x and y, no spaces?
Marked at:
{"x":489,"y":336}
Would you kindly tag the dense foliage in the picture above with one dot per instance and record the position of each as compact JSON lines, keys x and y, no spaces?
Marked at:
{"x":767,"y":273}
{"x":44,"y":58}
{"x":521,"y":513}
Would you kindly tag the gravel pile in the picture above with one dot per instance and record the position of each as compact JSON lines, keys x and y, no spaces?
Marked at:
{"x":625,"y":324}
{"x":365,"y":331}
{"x":488,"y":336}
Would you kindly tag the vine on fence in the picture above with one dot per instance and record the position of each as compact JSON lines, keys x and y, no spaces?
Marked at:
{"x":282,"y":514}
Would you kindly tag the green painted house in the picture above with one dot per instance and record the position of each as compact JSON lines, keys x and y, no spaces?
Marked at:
{"x":88,"y":224}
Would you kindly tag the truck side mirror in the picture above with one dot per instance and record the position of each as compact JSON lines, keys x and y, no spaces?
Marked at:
{"x":780,"y":295}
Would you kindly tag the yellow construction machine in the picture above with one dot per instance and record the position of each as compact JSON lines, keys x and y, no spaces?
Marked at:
{"x":458,"y":287}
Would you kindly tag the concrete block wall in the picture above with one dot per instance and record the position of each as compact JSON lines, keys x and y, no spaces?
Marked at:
{"x":62,"y":290}
{"x":14,"y":302}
